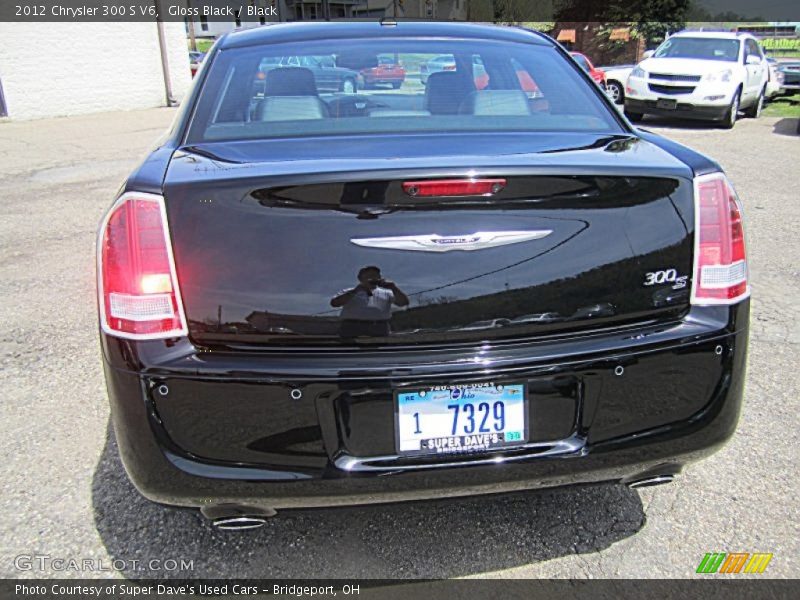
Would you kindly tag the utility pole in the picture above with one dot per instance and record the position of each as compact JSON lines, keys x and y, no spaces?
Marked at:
{"x":190,"y":24}
{"x":162,"y":47}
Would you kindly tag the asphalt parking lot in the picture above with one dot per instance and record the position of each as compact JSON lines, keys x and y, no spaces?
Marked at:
{"x":65,"y":495}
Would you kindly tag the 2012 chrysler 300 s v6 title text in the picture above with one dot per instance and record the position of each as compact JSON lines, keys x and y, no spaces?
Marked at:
{"x":312,"y":299}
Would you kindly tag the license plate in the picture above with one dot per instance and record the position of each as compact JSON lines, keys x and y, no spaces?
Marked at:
{"x":667,"y":103}
{"x":454,"y":419}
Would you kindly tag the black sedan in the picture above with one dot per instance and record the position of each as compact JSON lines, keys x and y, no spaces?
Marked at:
{"x":313,"y":299}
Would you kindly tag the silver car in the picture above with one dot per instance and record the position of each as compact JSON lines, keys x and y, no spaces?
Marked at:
{"x":445,"y":62}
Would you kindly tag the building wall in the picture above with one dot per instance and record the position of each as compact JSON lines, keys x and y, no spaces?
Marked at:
{"x":597,"y":47}
{"x":60,"y":69}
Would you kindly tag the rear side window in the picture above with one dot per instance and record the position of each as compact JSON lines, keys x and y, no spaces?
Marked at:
{"x":751,"y":49}
{"x":298,"y":90}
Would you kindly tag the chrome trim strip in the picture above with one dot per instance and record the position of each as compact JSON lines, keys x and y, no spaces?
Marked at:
{"x":433,"y":242}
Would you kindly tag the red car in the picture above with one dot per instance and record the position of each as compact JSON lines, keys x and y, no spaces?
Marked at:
{"x":387,"y":71}
{"x":195,"y":60}
{"x":598,"y":75}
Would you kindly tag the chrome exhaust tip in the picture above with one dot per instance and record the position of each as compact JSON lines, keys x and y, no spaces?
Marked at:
{"x":651,"y":481}
{"x":238,"y":523}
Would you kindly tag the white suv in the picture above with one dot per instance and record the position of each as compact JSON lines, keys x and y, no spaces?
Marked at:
{"x":700,"y":75}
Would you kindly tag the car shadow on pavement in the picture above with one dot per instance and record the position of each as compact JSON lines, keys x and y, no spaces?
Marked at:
{"x":435,"y":539}
{"x":787,"y":126}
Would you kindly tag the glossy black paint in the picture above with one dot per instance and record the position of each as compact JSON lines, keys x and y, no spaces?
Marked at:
{"x":229,"y":430}
{"x":606,"y":234}
{"x":618,"y":433}
{"x":700,"y":164}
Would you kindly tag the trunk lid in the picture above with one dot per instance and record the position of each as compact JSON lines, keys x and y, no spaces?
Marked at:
{"x":588,"y":231}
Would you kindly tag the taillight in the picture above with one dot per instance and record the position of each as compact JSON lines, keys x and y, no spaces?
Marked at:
{"x":454,"y":187}
{"x":137,"y":285}
{"x":720,"y":262}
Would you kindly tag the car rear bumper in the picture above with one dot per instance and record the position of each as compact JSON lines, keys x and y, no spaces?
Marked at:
{"x":198,"y":430}
{"x":683,"y":110}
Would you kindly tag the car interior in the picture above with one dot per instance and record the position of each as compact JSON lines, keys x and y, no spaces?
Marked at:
{"x":290,"y":93}
{"x":474,"y":90}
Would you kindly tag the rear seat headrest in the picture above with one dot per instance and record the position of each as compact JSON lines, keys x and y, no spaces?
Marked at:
{"x":290,"y":81}
{"x":445,"y":90}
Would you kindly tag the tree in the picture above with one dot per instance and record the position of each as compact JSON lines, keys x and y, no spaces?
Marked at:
{"x":517,"y":11}
{"x":650,"y":19}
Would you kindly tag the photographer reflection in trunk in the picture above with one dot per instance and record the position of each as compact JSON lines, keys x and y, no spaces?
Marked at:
{"x":367,"y":308}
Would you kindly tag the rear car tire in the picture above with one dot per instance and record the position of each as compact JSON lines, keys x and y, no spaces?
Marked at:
{"x":616,"y":92}
{"x":396,"y":85}
{"x":733,"y":111}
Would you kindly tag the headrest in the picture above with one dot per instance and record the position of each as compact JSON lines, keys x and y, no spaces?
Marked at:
{"x":290,"y":81}
{"x":445,"y":90}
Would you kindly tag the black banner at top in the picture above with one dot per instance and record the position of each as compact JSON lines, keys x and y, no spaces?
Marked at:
{"x":775,"y":12}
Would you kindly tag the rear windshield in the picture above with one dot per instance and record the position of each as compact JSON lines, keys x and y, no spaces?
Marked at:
{"x":326,"y":88}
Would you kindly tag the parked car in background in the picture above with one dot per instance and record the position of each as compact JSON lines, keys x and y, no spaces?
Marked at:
{"x":790,"y":75}
{"x":597,"y":74}
{"x":700,"y":75}
{"x":195,"y":60}
{"x":310,"y":299}
{"x":616,"y":76}
{"x":775,"y":79}
{"x":387,"y":71}
{"x":327,"y":76}
{"x":445,"y":62}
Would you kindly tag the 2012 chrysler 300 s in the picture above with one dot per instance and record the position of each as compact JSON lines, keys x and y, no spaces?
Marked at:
{"x":312,"y":299}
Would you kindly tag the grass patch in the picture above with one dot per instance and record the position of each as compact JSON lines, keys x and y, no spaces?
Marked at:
{"x":202,"y":45}
{"x":787,"y":106}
